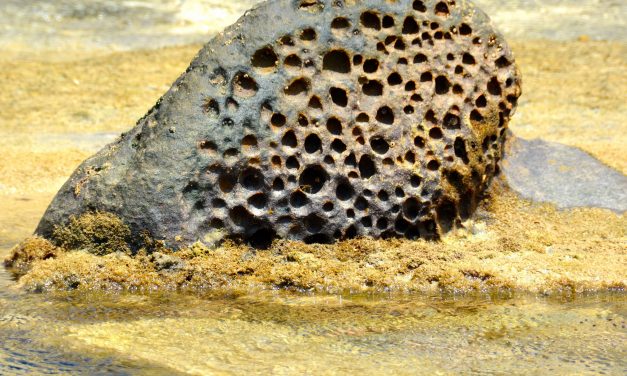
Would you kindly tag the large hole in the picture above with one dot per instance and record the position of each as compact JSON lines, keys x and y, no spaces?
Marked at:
{"x":315,"y":103}
{"x":371,"y":21}
{"x":435,"y":133}
{"x":426,"y":77}
{"x":337,"y":61}
{"x":292,"y":163}
{"x":313,"y":179}
{"x":481,"y":102}
{"x":442,"y":85}
{"x":385,"y":115}
{"x":379,"y":145}
{"x":361,"y":204}
{"x":339,"y":96}
{"x":308,"y":35}
{"x":264,"y":58}
{"x":241,"y":216}
{"x":297,"y":87}
{"x":464,"y":29}
{"x":344,"y":191}
{"x":251,"y":179}
{"x":367,"y":168}
{"x":334,"y":126}
{"x":388,"y":22}
{"x":373,"y":88}
{"x":313,"y":144}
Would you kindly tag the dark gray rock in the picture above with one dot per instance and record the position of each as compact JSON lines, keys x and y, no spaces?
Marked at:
{"x":314,"y":120}
{"x":563,"y":175}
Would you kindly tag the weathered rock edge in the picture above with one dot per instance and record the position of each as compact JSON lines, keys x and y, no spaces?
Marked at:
{"x":282,"y":127}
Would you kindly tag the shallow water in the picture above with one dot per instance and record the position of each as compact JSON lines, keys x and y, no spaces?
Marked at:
{"x":274,"y":332}
{"x":269,"y":331}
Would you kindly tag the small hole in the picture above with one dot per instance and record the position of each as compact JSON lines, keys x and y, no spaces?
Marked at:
{"x":278,"y":184}
{"x":410,"y":157}
{"x":419,"y":6}
{"x":297,"y":87}
{"x":441,"y":9}
{"x":249,"y":142}
{"x":264,"y":58}
{"x":336,"y":61}
{"x":371,"y":21}
{"x":211,"y":107}
{"x":415,"y":181}
{"x":258,"y":201}
{"x":442,"y":85}
{"x":433,"y":165}
{"x":328,"y":206}
{"x":313,"y":144}
{"x":315,"y":103}
{"x":350,"y":213}
{"x":227,"y":182}
{"x":366,"y":221}
{"x":410,"y":26}
{"x":293,"y":61}
{"x":338,"y":146}
{"x":468,"y":59}
{"x":308,"y":35}
{"x":289,"y":139}
{"x":371,"y":65}
{"x":367,"y":167}
{"x":313,"y":179}
{"x":399,"y":192}
{"x":251,"y":179}
{"x":411,"y":208}
{"x":388,"y":22}
{"x":383,"y":195}
{"x":457,"y":89}
{"x":373,"y":88}
{"x":452,"y":121}
{"x":464,"y":29}
{"x":298,"y":199}
{"x":357,"y":59}
{"x":339,"y":96}
{"x":344,"y":191}
{"x":410,"y":86}
{"x":382,"y":224}
{"x":340,"y":23}
{"x":494,"y":87}
{"x":292,"y":163}
{"x":419,"y":142}
{"x":207,"y":145}
{"x":361,"y":204}
{"x":435,"y":133}
{"x":334,"y":126}
{"x":362,"y":118}
{"x":476,"y":118}
{"x":426,"y":77}
{"x":481,"y":102}
{"x":385,"y":115}
{"x":502,"y":62}
{"x":408,"y":110}
{"x":460,"y":150}
{"x":395,"y":79}
{"x":379,"y":145}
{"x":278,"y":120}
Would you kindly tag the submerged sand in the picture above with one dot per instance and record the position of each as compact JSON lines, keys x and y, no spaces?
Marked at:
{"x":573,"y":93}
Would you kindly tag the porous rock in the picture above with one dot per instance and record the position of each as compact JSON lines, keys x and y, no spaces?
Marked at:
{"x":314,"y":120}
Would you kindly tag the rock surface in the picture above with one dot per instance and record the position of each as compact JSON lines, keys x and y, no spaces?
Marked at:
{"x":315,"y":121}
{"x":563,"y":175}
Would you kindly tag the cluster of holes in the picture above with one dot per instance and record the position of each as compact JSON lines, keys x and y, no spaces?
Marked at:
{"x":387,"y":159}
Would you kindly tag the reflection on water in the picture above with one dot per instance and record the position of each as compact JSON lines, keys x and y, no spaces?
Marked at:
{"x":282,"y":333}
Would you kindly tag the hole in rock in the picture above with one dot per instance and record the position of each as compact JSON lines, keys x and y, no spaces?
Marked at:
{"x":340,"y":23}
{"x":292,"y":163}
{"x":371,"y":21}
{"x":410,"y":26}
{"x":379,"y":145}
{"x":313,"y":144}
{"x":344,"y":191}
{"x":258,"y":201}
{"x":464,"y":29}
{"x":313,"y":179}
{"x":336,"y":61}
{"x":278,"y":120}
{"x":411,"y":208}
{"x":385,"y":115}
{"x":251,"y":179}
{"x":308,"y":35}
{"x":468,"y":59}
{"x":338,"y":146}
{"x":313,"y":223}
{"x":419,"y":6}
{"x":298,"y":199}
{"x":289,"y":139}
{"x":387,"y":22}
{"x":442,"y":85}
{"x":262,"y":238}
{"x":298,"y":87}
{"x":361,"y":204}
{"x":367,"y":167}
{"x":278,"y":184}
{"x":293,"y":61}
{"x":339,"y":96}
{"x":264,"y":58}
{"x":371,"y":65}
{"x":452,"y":121}
{"x":494,"y":87}
{"x":395,"y":79}
{"x":441,"y":9}
{"x":334,"y":126}
{"x":373,"y":88}
{"x":227,"y":182}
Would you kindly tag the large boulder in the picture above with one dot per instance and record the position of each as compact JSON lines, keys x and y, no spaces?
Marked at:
{"x":314,"y":120}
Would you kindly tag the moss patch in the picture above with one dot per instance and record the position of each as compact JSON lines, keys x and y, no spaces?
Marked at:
{"x":98,"y":233}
